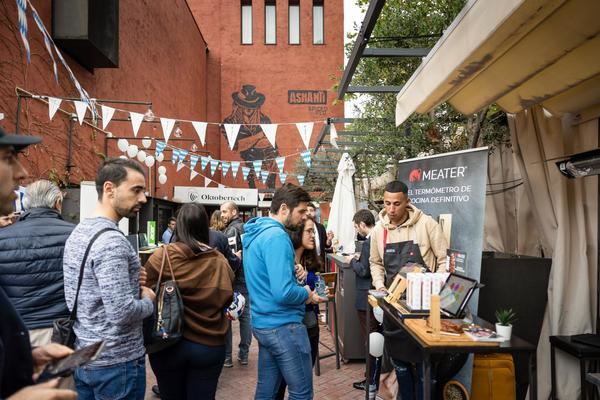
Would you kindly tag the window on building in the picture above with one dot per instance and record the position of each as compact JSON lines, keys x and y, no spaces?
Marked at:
{"x":294,"y":21}
{"x":318,"y":22}
{"x":246,"y":21}
{"x":270,"y":22}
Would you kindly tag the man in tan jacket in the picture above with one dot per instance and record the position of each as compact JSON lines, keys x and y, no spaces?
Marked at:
{"x":405,"y":222}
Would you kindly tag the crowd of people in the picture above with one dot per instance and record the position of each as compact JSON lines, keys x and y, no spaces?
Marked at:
{"x":51,"y":269}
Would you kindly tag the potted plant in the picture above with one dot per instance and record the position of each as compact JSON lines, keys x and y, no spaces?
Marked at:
{"x":505,"y":318}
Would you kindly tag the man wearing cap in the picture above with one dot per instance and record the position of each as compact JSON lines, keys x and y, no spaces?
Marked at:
{"x":18,"y":361}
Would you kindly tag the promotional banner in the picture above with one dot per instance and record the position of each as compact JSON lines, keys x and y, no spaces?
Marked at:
{"x":451,"y":188}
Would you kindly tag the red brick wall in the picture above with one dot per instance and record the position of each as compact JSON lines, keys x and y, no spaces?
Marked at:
{"x":272,"y":70}
{"x":162,"y":59}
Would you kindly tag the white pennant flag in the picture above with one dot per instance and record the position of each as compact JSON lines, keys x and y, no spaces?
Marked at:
{"x":81,"y":108}
{"x":261,"y":196}
{"x":270,"y":131}
{"x":221,"y":186}
{"x":53,"y":104}
{"x":305,"y":129}
{"x":136,"y":121}
{"x":167,"y":126}
{"x":180,"y":165}
{"x":193,"y":174}
{"x":333,"y":136}
{"x":200,"y":128}
{"x":232,"y":131}
{"x":207,"y":181}
{"x":107,"y":114}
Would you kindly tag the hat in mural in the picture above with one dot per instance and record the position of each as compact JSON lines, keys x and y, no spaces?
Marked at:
{"x":18,"y":141}
{"x":248,"y":97}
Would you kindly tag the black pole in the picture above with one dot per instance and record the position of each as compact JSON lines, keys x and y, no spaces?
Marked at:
{"x":70,"y":149}
{"x":18,"y":119}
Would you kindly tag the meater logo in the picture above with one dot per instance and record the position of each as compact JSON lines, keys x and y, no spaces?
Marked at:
{"x":415,"y":175}
{"x":418,"y":174}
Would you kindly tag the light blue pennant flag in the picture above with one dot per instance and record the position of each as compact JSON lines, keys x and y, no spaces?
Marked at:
{"x":282,"y":177}
{"x":182,"y":155}
{"x":257,"y":166}
{"x":175,"y":155}
{"x":160,"y":147}
{"x":306,"y":157}
{"x":301,"y":180}
{"x":280,"y":163}
{"x":225,"y":167}
{"x":193,"y":161}
{"x":203,"y":162}
{"x":264,"y":175}
{"x":235,"y":165}
{"x":245,"y":172}
{"x":213,"y":166}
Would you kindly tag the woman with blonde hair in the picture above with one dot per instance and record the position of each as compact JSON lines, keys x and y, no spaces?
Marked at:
{"x":216,"y":223}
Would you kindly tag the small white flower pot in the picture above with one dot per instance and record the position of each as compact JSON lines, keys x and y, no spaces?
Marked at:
{"x":504,"y":331}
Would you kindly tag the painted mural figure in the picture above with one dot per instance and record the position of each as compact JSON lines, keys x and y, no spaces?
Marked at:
{"x":251,"y":142}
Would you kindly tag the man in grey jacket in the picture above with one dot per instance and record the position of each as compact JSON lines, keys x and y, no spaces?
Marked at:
{"x":111,"y":304}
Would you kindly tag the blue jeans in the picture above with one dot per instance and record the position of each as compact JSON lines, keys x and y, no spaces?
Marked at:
{"x":188,"y":370}
{"x":284,"y":353}
{"x":124,"y":381}
{"x":245,"y":333}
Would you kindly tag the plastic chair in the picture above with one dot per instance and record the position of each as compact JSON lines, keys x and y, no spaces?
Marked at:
{"x":330,"y":279}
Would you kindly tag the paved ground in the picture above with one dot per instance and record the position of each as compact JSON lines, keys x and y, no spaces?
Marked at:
{"x":239,"y":382}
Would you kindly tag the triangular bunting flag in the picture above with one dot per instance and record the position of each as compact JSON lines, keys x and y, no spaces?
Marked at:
{"x":261,"y":196}
{"x":213,"y":166}
{"x":280,"y":163}
{"x":193,"y":174}
{"x":175,"y":155}
{"x":167,"y":126}
{"x":203,"y":162}
{"x":207,"y":181}
{"x":232,"y":131}
{"x":333,"y":136}
{"x":53,"y":104}
{"x":81,"y":108}
{"x":306,"y":158}
{"x":264,"y":175}
{"x":282,"y":177}
{"x":305,"y":129}
{"x":182,"y":154}
{"x":300,"y":179}
{"x":221,"y":186}
{"x":160,"y":146}
{"x":235,"y":165}
{"x":200,"y":128}
{"x":193,"y":161}
{"x":136,"y":121}
{"x":180,"y":165}
{"x":107,"y":114}
{"x":270,"y":131}
{"x":245,"y":172}
{"x":224,"y":167}
{"x":257,"y":166}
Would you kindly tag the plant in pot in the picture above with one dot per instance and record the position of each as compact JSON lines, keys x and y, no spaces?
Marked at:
{"x":505,"y":318}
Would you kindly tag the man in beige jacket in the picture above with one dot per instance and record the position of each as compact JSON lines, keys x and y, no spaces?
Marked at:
{"x":405,"y":222}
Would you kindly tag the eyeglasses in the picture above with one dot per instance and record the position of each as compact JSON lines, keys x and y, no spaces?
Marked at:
{"x":310,"y":231}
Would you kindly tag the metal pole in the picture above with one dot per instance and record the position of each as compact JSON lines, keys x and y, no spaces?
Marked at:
{"x":18,"y":119}
{"x":70,"y":149}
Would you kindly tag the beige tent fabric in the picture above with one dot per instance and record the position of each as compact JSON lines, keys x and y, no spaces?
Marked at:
{"x":565,"y":212}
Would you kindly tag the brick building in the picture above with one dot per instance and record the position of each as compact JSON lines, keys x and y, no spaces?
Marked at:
{"x":195,"y":60}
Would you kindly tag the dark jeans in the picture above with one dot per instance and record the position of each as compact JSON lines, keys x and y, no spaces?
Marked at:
{"x":313,"y":338}
{"x":188,"y":370}
{"x":410,"y":380}
{"x":124,"y":381}
{"x":245,"y":321}
{"x":373,"y":327}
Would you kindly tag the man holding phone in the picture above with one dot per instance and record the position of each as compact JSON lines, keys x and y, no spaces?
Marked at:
{"x":18,"y":362}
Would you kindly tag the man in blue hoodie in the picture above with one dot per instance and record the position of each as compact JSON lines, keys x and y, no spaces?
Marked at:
{"x":278,"y":301}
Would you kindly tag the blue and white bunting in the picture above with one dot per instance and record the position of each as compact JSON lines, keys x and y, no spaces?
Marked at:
{"x":182,"y":154}
{"x":224,"y":168}
{"x":306,"y":158}
{"x":160,"y":147}
{"x":235,"y":166}
{"x":193,"y":161}
{"x":245,"y":172}
{"x":193,"y":174}
{"x":47,"y":43}
{"x":280,"y":163}
{"x":300,"y":179}
{"x":175,"y":155}
{"x":203,"y":162}
{"x":22,"y":9}
{"x":282,"y":177}
{"x":264,"y":175}
{"x":257,"y":167}
{"x":213,"y":166}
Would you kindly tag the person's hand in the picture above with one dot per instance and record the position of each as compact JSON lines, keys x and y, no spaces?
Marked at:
{"x":238,"y":254}
{"x":382,"y":289}
{"x":329,"y":237}
{"x":143,"y":277}
{"x":314,"y":298}
{"x":301,"y":273}
{"x":44,"y":391}
{"x":148,"y":293}
{"x":348,"y":259}
{"x":44,"y":354}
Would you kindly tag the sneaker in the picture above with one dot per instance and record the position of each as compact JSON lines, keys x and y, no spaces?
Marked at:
{"x":228,"y":363}
{"x":360,"y":385}
{"x":155,"y":390}
{"x":243,"y":360}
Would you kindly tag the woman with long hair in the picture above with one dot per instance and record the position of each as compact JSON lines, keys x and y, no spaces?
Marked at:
{"x":190,"y":369}
{"x":216,"y":223}
{"x":303,"y":240}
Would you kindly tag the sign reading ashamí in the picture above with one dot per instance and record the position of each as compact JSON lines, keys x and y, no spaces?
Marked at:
{"x":307,"y":96}
{"x":216,"y":196}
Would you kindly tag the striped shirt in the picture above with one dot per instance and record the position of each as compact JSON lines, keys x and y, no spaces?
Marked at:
{"x":109,"y":306}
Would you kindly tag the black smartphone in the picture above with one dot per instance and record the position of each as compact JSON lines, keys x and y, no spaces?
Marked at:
{"x":66,"y":366}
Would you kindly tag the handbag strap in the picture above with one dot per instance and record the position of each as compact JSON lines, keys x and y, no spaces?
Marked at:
{"x":162,"y":266}
{"x":82,"y":267}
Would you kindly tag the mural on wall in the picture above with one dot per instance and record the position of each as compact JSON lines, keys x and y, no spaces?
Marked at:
{"x":251,"y":143}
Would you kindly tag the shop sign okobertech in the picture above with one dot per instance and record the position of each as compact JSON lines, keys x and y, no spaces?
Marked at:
{"x":216,"y":196}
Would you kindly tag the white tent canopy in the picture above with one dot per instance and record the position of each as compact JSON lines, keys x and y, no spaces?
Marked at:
{"x":343,"y":206}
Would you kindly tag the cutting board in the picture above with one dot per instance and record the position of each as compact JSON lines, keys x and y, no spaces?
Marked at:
{"x":419,"y":328}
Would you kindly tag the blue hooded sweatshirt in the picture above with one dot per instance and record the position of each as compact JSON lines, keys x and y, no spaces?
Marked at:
{"x":277,"y":299}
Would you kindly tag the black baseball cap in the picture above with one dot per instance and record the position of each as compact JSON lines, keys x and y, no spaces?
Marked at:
{"x":19,"y":142}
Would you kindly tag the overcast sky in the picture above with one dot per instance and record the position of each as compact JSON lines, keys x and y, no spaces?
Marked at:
{"x":353,"y":18}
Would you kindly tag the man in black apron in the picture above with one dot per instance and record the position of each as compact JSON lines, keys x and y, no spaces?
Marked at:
{"x":404,"y":235}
